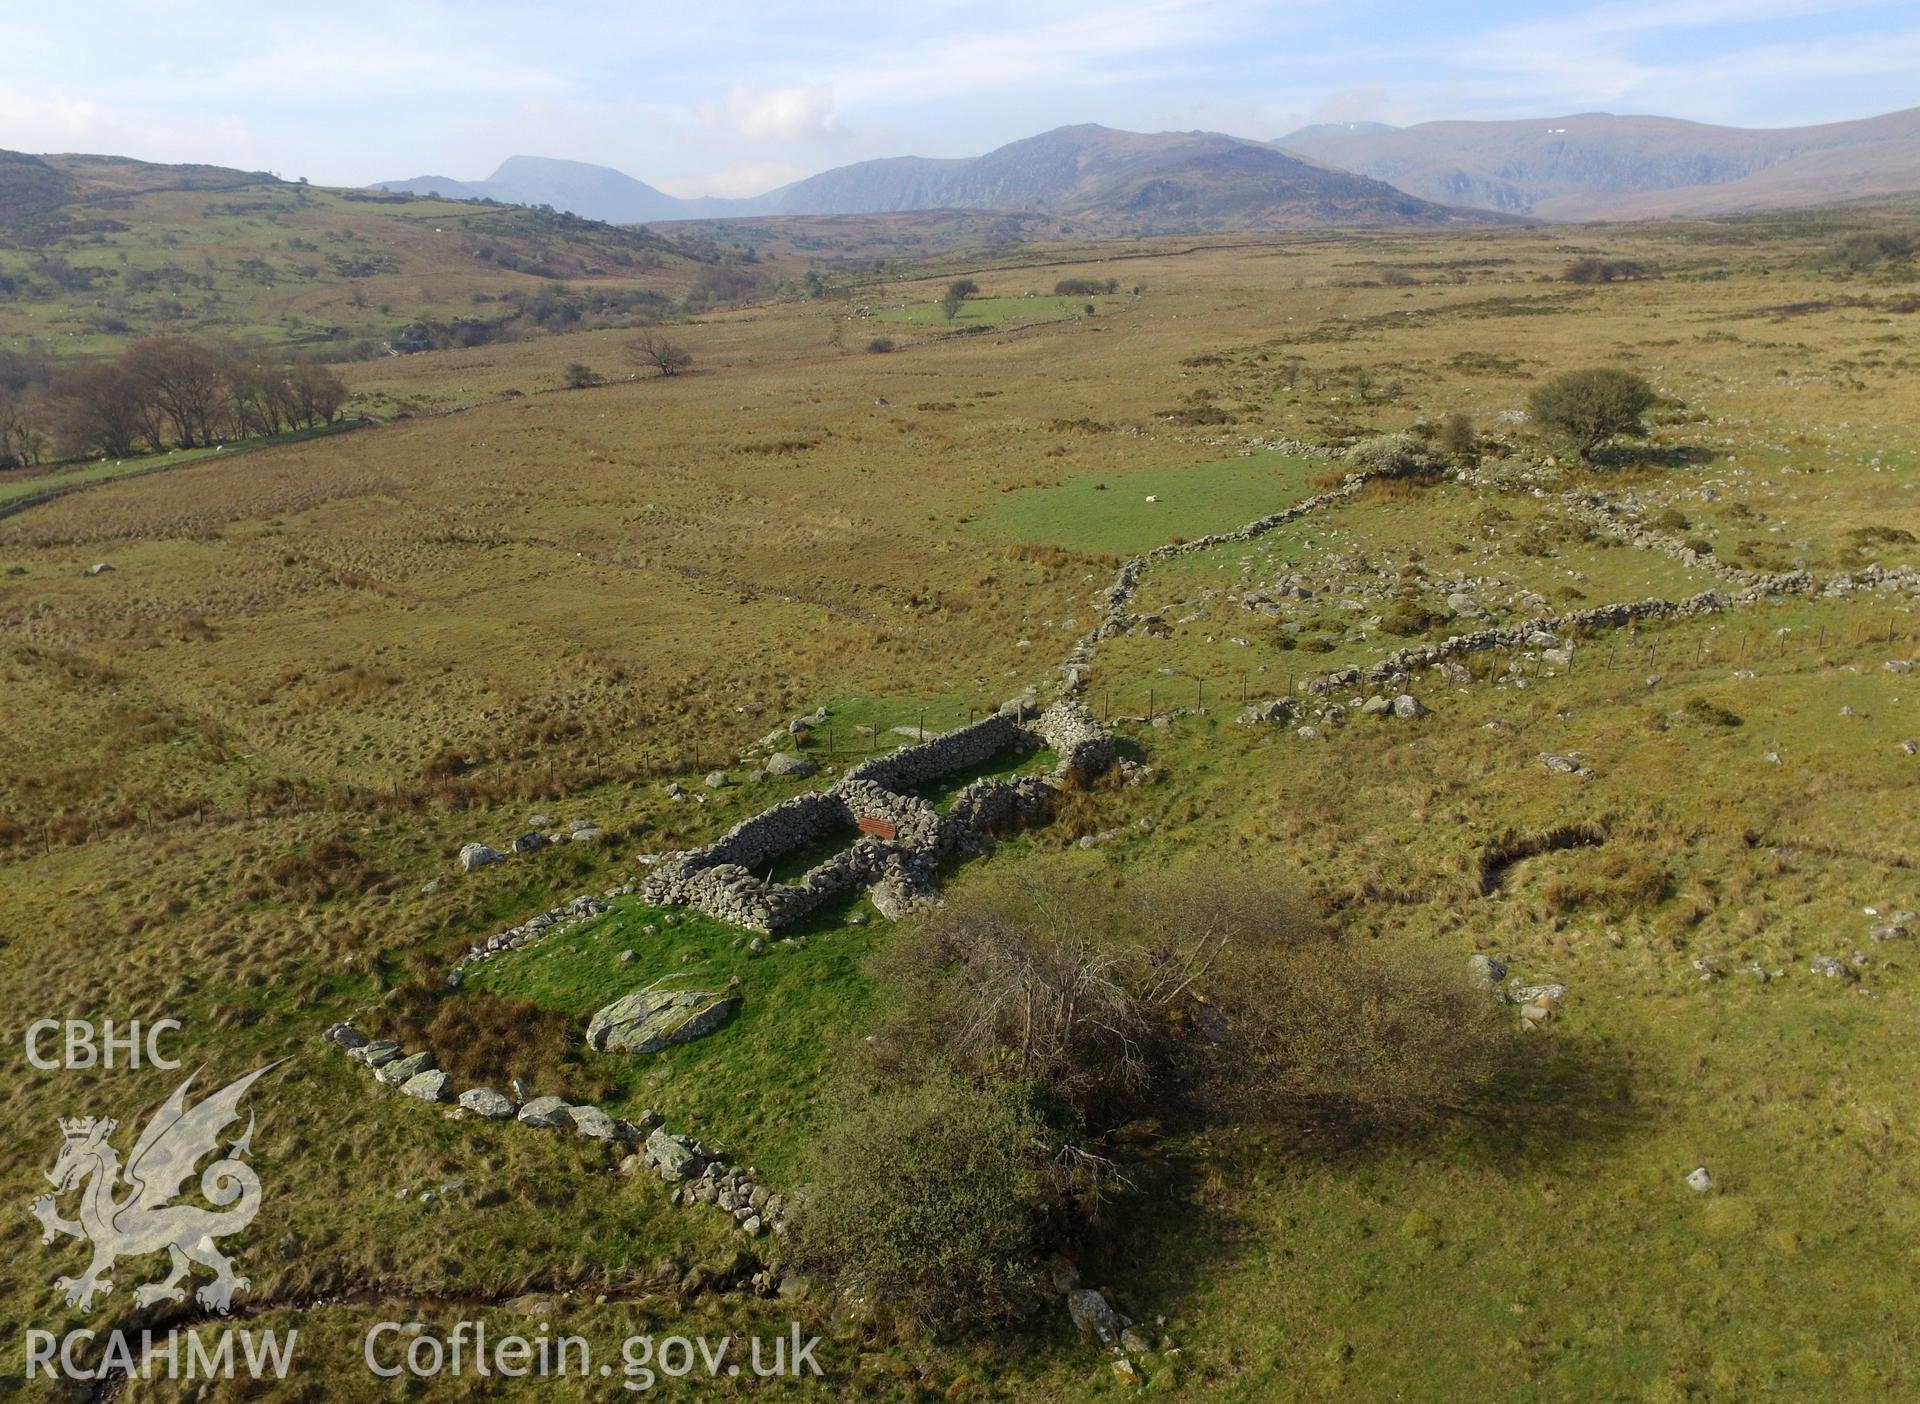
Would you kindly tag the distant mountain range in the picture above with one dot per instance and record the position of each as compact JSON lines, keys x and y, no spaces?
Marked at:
{"x":1599,"y":166}
{"x":1590,"y":166}
{"x":1099,"y":178}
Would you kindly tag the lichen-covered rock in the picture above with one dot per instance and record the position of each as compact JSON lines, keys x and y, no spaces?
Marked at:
{"x":592,"y":1122}
{"x":1093,"y":1315}
{"x":673,"y":1157}
{"x":649,"y":1020}
{"x":547,"y":1111}
{"x":376,"y":1054}
{"x":478,"y":855}
{"x":400,"y":1069}
{"x":484,"y":1101}
{"x":429,"y":1086}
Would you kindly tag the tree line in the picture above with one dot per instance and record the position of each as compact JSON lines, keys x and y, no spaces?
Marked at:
{"x":164,"y":392}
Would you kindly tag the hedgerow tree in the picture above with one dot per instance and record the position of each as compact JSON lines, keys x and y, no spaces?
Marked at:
{"x":1589,"y":408}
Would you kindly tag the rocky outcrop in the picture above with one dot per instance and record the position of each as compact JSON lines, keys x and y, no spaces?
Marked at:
{"x":649,"y":1020}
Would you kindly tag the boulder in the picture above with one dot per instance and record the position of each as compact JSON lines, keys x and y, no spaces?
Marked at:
{"x":1093,"y":1315}
{"x":591,"y":1121}
{"x":673,"y":1157}
{"x":530,"y":842}
{"x":546,"y":1111}
{"x":587,"y":835}
{"x":1699,"y":1180}
{"x":717,"y":780}
{"x":1833,"y":968}
{"x":1485,"y":970}
{"x":1466,"y":606}
{"x":429,"y":1086}
{"x":396,"y":1073}
{"x":786,"y":763}
{"x":376,"y":1054}
{"x":649,"y":1020}
{"x":345,"y":1036}
{"x":479,"y":855}
{"x":1376,"y":706}
{"x":484,"y":1101}
{"x":99,"y":568}
{"x":1407,"y":707}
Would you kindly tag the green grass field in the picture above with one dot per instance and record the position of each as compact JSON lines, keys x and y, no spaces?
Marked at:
{"x":1113,"y":516}
{"x":998,"y":313}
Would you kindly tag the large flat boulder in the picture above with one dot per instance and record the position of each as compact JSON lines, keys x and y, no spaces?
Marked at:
{"x":649,"y":1020}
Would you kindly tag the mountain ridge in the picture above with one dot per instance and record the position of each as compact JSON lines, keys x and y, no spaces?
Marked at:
{"x":1604,"y":165}
{"x":1143,"y":182}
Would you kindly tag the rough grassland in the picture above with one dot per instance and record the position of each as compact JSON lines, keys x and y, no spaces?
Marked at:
{"x":231,"y":765}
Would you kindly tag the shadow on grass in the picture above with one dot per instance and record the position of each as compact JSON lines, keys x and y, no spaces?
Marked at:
{"x":1620,"y":456}
{"x":1557,"y":1102}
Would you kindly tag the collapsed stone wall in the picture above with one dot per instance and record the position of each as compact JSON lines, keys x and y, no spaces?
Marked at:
{"x":897,"y":866}
{"x":1118,"y":618}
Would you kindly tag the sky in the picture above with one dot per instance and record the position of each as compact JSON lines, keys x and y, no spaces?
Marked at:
{"x":727,"y":98}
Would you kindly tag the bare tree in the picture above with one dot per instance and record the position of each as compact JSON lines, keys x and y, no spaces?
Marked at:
{"x":188,"y":382}
{"x":667,"y":357}
{"x":100,"y":409}
{"x":318,"y":392}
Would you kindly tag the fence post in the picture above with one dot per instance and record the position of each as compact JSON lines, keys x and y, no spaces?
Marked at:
{"x":1149,"y":706}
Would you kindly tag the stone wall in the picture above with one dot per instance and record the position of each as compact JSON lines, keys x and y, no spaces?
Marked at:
{"x":898,"y":872}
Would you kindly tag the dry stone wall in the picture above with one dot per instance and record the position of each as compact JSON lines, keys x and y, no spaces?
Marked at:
{"x":898,"y":867}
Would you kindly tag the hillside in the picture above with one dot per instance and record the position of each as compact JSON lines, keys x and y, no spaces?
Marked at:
{"x":1596,"y":165}
{"x":98,"y":250}
{"x":1113,"y":181}
{"x":1125,"y":180}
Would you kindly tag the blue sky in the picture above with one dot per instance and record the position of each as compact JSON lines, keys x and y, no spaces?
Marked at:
{"x":730,"y":98}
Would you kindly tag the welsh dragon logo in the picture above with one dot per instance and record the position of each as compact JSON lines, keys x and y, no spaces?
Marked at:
{"x":142,"y":1220}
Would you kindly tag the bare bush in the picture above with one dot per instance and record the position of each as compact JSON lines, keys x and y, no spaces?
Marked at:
{"x":666,"y":357}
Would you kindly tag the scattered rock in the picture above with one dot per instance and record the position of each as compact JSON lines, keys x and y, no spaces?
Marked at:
{"x":1485,"y":970}
{"x":376,"y":1054}
{"x":99,"y":568}
{"x":1699,"y":1180}
{"x":790,"y":766}
{"x":546,"y":1111}
{"x":591,"y":1121}
{"x":1833,"y":968}
{"x":1093,"y":1315}
{"x":395,"y":1073}
{"x":673,"y":1157}
{"x":484,"y":1101}
{"x":429,"y":1086}
{"x":1408,"y":707}
{"x":717,"y":780}
{"x":529,"y":843}
{"x":479,"y":855}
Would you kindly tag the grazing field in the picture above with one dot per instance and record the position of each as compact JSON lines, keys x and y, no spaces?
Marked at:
{"x":240,"y":766}
{"x":1135,"y":511}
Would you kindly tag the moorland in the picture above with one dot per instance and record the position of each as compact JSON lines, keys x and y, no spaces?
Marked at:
{"x":239,"y":766}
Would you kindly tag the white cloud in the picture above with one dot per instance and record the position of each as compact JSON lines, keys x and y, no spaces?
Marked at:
{"x":777,"y":114}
